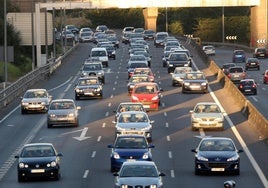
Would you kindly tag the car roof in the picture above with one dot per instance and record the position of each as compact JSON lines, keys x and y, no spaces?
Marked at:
{"x":206,"y":103}
{"x":36,"y":90}
{"x":62,"y":100}
{"x":145,"y":83}
{"x":216,"y":138}
{"x":127,"y":163}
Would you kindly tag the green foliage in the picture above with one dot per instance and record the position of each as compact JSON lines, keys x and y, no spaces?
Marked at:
{"x":176,"y":28}
{"x":13,"y":72}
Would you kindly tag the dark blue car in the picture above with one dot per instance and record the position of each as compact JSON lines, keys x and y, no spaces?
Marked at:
{"x":129,"y":148}
{"x":239,"y":56}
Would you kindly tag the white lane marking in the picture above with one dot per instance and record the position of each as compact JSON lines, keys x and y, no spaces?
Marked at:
{"x":106,"y":114}
{"x":103,"y":125}
{"x":168,"y":138}
{"x":172,"y":174}
{"x":109,"y":104}
{"x":99,"y":139}
{"x":170,"y":154}
{"x":60,"y":85}
{"x":67,"y":88}
{"x":86,"y":173}
{"x":93,"y":154}
{"x":165,"y":114}
{"x":112,"y":96}
{"x":167,"y":125}
{"x":254,"y":98}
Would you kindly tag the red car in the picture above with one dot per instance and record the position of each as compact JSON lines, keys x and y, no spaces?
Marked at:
{"x":147,"y":93}
{"x":265,"y":77}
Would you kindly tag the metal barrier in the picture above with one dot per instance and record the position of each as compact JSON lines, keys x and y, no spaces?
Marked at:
{"x":16,"y":89}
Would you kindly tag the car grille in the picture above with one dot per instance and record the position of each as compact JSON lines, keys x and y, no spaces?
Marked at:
{"x":208,"y":119}
{"x":138,"y":186}
{"x":218,"y":165}
{"x":133,"y":132}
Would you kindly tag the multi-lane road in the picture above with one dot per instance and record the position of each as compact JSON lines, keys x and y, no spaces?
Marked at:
{"x":85,"y":161}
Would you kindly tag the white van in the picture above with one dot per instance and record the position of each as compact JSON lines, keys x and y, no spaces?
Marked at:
{"x":99,"y":54}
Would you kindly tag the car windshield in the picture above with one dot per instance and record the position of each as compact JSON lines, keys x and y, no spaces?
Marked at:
{"x":137,"y":65}
{"x":194,"y":76}
{"x":38,"y":151}
{"x":35,"y":94}
{"x":85,"y":82}
{"x":89,"y":67}
{"x":202,"y":108}
{"x":133,"y":143}
{"x":178,"y":57}
{"x":136,"y":79}
{"x":61,"y":105}
{"x":138,"y":58}
{"x":181,"y":71}
{"x":130,"y":107}
{"x":234,"y":70}
{"x":247,"y":83}
{"x":145,"y":89}
{"x":130,"y":118}
{"x":139,"y":171}
{"x":216,"y":145}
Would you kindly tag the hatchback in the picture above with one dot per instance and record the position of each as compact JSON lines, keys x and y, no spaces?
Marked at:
{"x":252,"y":63}
{"x":239,"y":56}
{"x":236,"y":74}
{"x":248,"y":86}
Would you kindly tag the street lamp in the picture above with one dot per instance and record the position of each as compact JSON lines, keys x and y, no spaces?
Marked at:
{"x":5,"y":41}
{"x":166,"y":21}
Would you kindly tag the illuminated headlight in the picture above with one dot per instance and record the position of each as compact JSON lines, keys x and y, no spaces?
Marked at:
{"x":146,"y":128}
{"x":200,"y":158}
{"x":78,"y":90}
{"x":116,"y":155}
{"x":186,"y":83}
{"x":84,"y":74}
{"x":124,"y":186}
{"x":204,"y":83}
{"x":153,"y":186}
{"x":24,"y":103}
{"x":145,"y":155}
{"x":71,"y":115}
{"x":234,"y":158}
{"x":155,"y":98}
{"x":52,"y":164}
{"x":43,"y":103}
{"x":170,"y":65}
{"x":52,"y":115}
{"x":22,"y":165}
{"x":120,"y":128}
{"x":113,"y":52}
{"x":135,"y":98}
{"x":97,"y":89}
{"x":100,"y":73}
{"x":195,"y":119}
{"x":131,"y":86}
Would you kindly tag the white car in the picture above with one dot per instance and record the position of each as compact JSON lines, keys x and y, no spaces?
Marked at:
{"x":207,"y":115}
{"x":209,"y":50}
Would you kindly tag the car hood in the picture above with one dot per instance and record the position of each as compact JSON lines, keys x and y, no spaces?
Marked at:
{"x":207,"y":115}
{"x":133,"y":126}
{"x":32,"y":100}
{"x":195,"y":81}
{"x":93,"y":86}
{"x":145,"y":97}
{"x":37,"y":159}
{"x":138,"y":181}
{"x":61,"y":111}
{"x":179,"y":75}
{"x":217,"y":156}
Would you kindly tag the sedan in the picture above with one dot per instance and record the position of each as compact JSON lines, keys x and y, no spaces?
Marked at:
{"x":35,"y":100}
{"x":179,"y":74}
{"x":248,"y":86}
{"x":129,"y":148}
{"x":38,"y":160}
{"x":252,"y":63}
{"x":225,"y":67}
{"x":146,"y":71}
{"x":88,"y":87}
{"x":207,"y":115}
{"x":62,"y":112}
{"x":148,"y":93}
{"x":217,"y":154}
{"x":195,"y":82}
{"x":134,"y":122}
{"x":128,"y":106}
{"x":139,"y":174}
{"x":136,"y":78}
{"x":209,"y":50}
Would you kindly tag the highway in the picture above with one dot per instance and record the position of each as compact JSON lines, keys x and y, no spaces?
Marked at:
{"x":85,"y":161}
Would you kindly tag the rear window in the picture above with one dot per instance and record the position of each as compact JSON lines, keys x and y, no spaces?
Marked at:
{"x":234,"y":70}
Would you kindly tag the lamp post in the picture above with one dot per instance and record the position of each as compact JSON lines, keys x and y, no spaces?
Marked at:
{"x":5,"y":41}
{"x":166,"y":21}
{"x":223,"y":32}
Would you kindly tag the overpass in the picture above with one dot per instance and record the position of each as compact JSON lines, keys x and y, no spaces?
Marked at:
{"x":259,"y":12}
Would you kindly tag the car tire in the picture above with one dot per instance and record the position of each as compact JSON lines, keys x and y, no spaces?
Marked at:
{"x":194,"y":129}
{"x":20,"y":178}
{"x":112,"y":169}
{"x":77,"y":97}
{"x":49,"y":125}
{"x":197,"y":172}
{"x":23,"y":111}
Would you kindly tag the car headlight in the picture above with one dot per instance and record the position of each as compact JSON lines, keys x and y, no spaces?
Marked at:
{"x":124,"y":186}
{"x":234,"y":158}
{"x":116,"y":155}
{"x":145,"y":155}
{"x":120,"y":128}
{"x":153,"y":186}
{"x":186,"y":83}
{"x":170,"y":65}
{"x":22,"y":165}
{"x":52,"y":164}
{"x":196,"y":119}
{"x":201,"y":158}
{"x":100,"y":73}
{"x":113,"y":52}
{"x":43,"y":103}
{"x":52,"y":115}
{"x":78,"y":90}
{"x":24,"y":103}
{"x":204,"y":83}
{"x":147,"y":128}
{"x":135,"y":98}
{"x":71,"y":115}
{"x":84,"y":73}
{"x":97,"y":89}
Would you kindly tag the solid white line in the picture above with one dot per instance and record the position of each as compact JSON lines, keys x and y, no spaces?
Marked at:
{"x":99,"y":139}
{"x":86,"y":173}
{"x":93,"y":154}
{"x":172,"y":174}
{"x":170,"y":154}
{"x":168,"y":138}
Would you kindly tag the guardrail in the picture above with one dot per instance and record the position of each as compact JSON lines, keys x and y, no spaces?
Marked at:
{"x":17,"y":88}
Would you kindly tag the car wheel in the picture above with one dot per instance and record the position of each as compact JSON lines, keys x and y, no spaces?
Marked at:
{"x":255,"y":93}
{"x":23,"y":111}
{"x":113,"y":169}
{"x":173,"y":84}
{"x":197,"y":172}
{"x":194,"y":129}
{"x":77,"y":97}
{"x":20,"y":178}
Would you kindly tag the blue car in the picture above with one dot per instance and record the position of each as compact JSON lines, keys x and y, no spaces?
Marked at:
{"x":239,"y":56}
{"x":129,"y":147}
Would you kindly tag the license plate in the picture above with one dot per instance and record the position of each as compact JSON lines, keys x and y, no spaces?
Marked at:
{"x":88,"y":93}
{"x":217,"y":169}
{"x":247,"y":90}
{"x":131,"y":160}
{"x":37,"y":170}
{"x":146,"y":106}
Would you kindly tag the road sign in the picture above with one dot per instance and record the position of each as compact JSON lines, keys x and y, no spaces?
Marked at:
{"x":261,"y":41}
{"x":231,"y":37}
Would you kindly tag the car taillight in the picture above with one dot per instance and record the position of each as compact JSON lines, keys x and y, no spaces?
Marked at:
{"x":229,"y":75}
{"x":254,"y":85}
{"x":240,"y":86}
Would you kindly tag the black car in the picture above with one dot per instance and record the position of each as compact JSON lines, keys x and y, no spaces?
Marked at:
{"x":248,"y":86}
{"x":159,"y":39}
{"x":260,"y":53}
{"x":114,"y":41}
{"x":217,"y":155}
{"x":93,"y":68}
{"x":177,"y":59}
{"x":252,"y":63}
{"x":194,"y":82}
{"x":88,"y":87}
{"x":225,"y":67}
{"x":110,"y":50}
{"x":38,"y":160}
{"x":148,"y":34}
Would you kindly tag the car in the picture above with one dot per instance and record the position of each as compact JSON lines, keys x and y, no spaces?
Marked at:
{"x":148,"y":93}
{"x":252,"y":63}
{"x":148,"y":34}
{"x":63,"y":112}
{"x":110,"y":33}
{"x":176,"y":59}
{"x":134,"y":122}
{"x":179,"y":74}
{"x":165,"y":58}
{"x":68,"y":35}
{"x":194,"y":82}
{"x":38,"y":160}
{"x":265,"y":77}
{"x":239,"y":56}
{"x":207,"y":115}
{"x":236,"y":74}
{"x":136,"y":78}
{"x":217,"y":155}
{"x":225,"y":67}
{"x":72,"y":28}
{"x":125,"y":37}
{"x":137,"y":58}
{"x":101,"y":28}
{"x":128,"y":106}
{"x":114,"y":41}
{"x":209,"y":50}
{"x":85,"y":37}
{"x":144,"y":53}
{"x":260,"y":52}
{"x":139,"y":174}
{"x":135,"y":64}
{"x":110,"y":50}
{"x":138,"y":30}
{"x":93,"y":68}
{"x":88,"y":87}
{"x":129,"y":147}
{"x":99,"y":54}
{"x":159,"y":39}
{"x":35,"y":100}
{"x":128,"y":29}
{"x":148,"y":71}
{"x":248,"y":86}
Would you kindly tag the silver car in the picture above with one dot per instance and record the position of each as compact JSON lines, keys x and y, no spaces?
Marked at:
{"x":63,"y":112}
{"x":35,"y":100}
{"x":179,"y":74}
{"x":207,"y":115}
{"x":134,"y":122}
{"x":139,"y":174}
